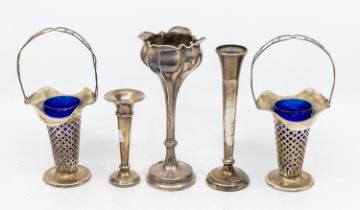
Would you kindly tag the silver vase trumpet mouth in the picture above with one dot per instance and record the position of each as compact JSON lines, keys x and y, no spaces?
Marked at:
{"x":172,"y":56}
{"x":228,"y":177}
{"x":231,"y":50}
{"x":124,"y":96}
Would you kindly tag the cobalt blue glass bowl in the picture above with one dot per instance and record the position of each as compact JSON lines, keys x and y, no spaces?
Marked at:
{"x":60,"y":106}
{"x":293,"y":109}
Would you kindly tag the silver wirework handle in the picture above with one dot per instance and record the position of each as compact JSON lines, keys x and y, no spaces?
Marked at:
{"x":285,"y":38}
{"x":62,"y":30}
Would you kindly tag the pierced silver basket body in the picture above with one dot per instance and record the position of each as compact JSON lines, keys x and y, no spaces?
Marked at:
{"x":291,"y":146}
{"x":65,"y":142}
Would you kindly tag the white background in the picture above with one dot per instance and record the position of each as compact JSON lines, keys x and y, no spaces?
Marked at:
{"x":111,"y":28}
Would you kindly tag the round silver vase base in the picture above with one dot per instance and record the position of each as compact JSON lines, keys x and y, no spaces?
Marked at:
{"x":56,"y":179}
{"x":171,"y":178}
{"x":227,"y":179}
{"x":124,"y":178}
{"x":300,"y":183}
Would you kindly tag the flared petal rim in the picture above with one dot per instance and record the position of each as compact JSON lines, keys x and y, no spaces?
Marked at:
{"x":267,"y":100}
{"x":145,"y":36}
{"x":37,"y":99}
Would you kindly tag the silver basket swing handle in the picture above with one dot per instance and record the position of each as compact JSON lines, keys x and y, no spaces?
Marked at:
{"x":285,"y":38}
{"x":62,"y":30}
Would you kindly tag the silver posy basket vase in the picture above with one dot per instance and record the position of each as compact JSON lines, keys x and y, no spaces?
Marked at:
{"x":291,"y":127}
{"x":63,"y":124}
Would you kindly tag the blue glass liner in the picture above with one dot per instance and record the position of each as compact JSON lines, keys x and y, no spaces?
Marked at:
{"x":60,"y":106}
{"x":293,"y":109}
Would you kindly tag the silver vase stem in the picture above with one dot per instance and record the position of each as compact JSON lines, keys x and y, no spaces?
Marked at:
{"x":170,"y":142}
{"x":124,"y":116}
{"x":230,"y":89}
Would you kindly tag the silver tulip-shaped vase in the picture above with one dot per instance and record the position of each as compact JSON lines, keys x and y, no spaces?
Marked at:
{"x":171,"y":56}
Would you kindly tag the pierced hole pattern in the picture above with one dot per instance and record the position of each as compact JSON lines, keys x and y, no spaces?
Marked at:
{"x":291,"y":146}
{"x":65,"y":145}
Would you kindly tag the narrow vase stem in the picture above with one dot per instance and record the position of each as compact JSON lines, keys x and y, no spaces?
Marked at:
{"x":170,"y":96}
{"x":230,"y":89}
{"x":170,"y":90}
{"x":124,"y":116}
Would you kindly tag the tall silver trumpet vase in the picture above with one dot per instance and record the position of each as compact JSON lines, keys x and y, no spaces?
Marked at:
{"x":227,"y":177}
